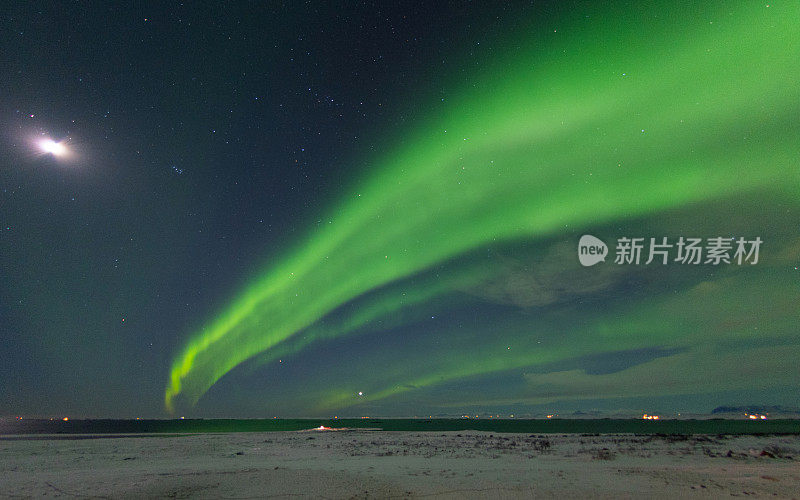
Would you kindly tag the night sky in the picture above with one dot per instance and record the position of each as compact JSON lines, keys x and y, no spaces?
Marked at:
{"x":274,"y":209}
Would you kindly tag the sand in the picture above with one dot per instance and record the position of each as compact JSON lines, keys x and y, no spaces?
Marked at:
{"x":367,"y":464}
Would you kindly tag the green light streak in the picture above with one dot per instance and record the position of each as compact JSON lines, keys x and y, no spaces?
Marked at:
{"x":391,"y":307}
{"x":545,"y":144}
{"x":722,"y":316}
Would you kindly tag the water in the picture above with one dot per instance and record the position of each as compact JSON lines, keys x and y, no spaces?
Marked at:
{"x":542,"y":426}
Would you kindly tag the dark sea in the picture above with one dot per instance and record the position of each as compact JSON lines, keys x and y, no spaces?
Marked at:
{"x":15,"y":426}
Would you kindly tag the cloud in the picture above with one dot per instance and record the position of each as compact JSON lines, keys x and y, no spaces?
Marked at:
{"x":702,"y":369}
{"x":549,"y":277}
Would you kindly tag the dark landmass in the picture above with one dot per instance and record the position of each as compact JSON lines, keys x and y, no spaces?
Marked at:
{"x":756,"y":409}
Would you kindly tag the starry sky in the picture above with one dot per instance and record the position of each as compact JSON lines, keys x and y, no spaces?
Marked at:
{"x":305,"y":209}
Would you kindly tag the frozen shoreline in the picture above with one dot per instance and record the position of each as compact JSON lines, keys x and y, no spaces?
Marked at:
{"x":359,"y":463}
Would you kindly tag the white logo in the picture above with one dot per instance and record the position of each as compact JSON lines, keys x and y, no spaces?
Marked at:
{"x":591,"y":250}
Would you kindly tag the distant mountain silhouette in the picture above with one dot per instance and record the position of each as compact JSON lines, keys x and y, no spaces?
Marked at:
{"x":754,"y":409}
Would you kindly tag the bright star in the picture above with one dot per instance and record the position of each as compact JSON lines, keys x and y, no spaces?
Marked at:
{"x":53,"y":147}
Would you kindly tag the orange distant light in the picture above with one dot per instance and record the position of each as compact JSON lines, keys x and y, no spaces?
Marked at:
{"x":65,"y":419}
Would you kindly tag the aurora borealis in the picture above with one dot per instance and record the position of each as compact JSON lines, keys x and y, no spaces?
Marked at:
{"x":435,"y":270}
{"x":502,"y":164}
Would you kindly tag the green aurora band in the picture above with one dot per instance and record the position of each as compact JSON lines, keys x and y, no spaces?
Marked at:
{"x":628,"y":118}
